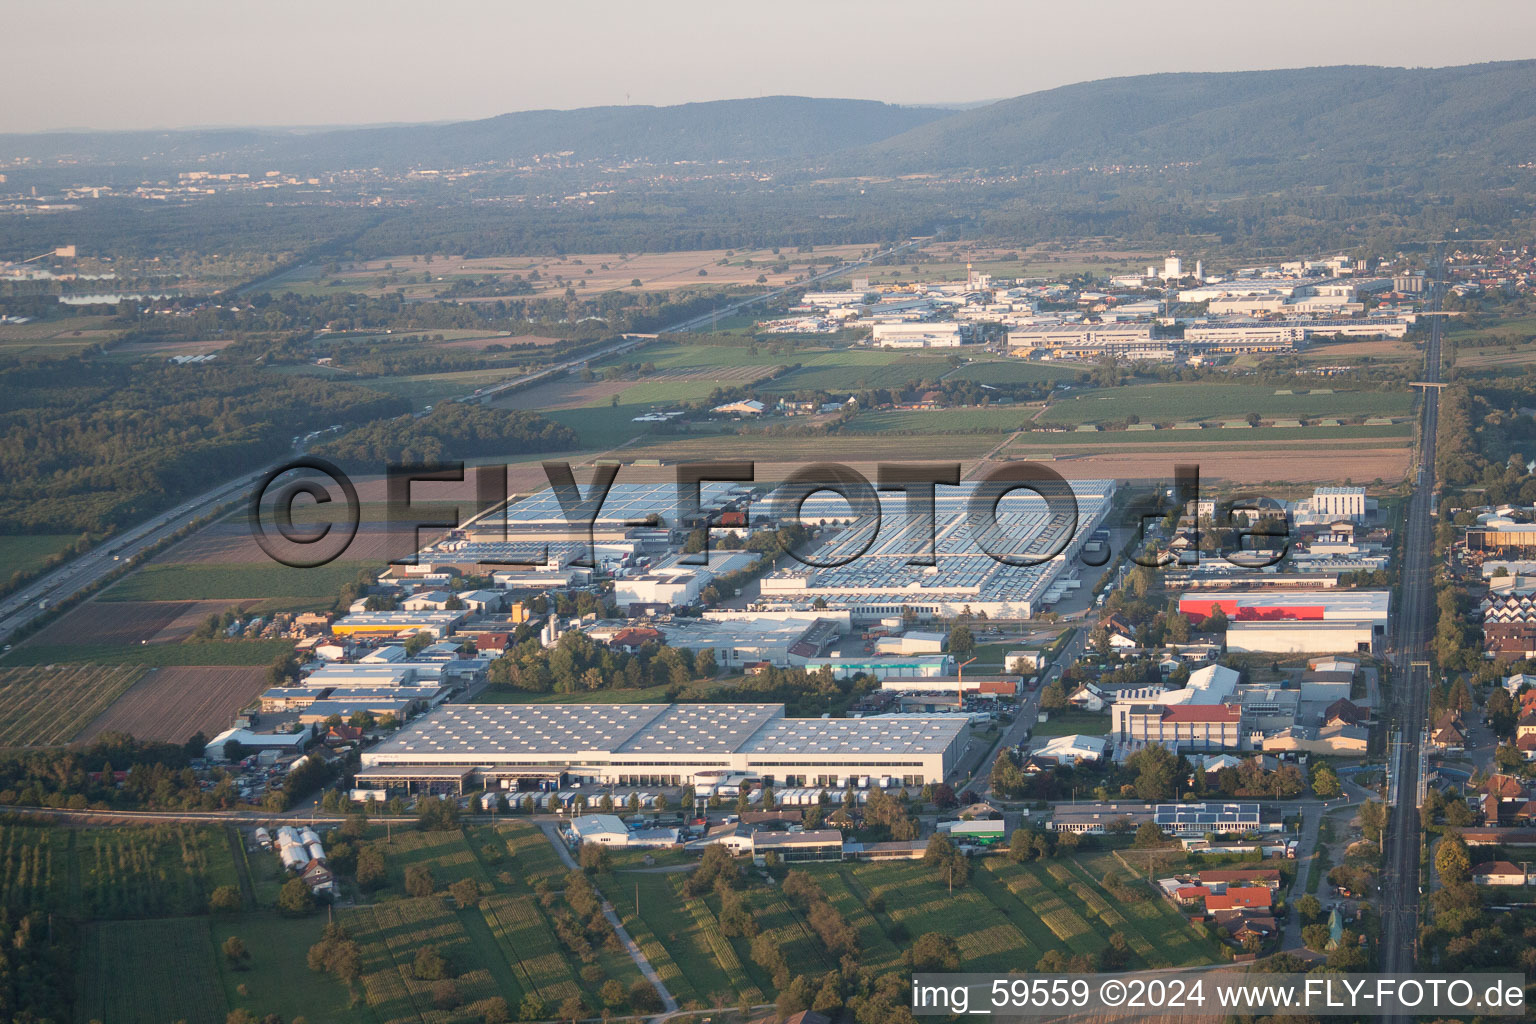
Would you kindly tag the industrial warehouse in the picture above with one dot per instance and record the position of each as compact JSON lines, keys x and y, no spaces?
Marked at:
{"x":522,"y":746}
{"x":881,"y":580}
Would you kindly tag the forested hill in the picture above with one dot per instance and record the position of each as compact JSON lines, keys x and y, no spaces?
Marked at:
{"x":1280,"y":123}
{"x":769,"y":128}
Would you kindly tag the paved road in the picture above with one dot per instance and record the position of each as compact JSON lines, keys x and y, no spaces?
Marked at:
{"x":633,"y":948}
{"x":69,"y":579}
{"x":1029,"y":709}
{"x":1400,"y":879}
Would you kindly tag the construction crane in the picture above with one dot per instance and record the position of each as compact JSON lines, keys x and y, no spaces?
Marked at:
{"x":960,"y":686}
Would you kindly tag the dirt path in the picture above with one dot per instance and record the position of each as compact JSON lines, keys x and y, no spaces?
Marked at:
{"x":632,"y":947}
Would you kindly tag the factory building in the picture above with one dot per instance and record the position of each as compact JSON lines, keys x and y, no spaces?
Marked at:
{"x":920,"y":335}
{"x":663,"y":744}
{"x":1089,"y":341}
{"x":876,"y":580}
{"x":1297,"y":622}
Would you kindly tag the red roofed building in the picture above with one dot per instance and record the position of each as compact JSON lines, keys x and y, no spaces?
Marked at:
{"x":1186,"y":726}
{"x":1189,"y":894}
{"x":1253,"y":897}
{"x":495,"y":643}
{"x":1498,"y":872}
{"x":632,"y":638}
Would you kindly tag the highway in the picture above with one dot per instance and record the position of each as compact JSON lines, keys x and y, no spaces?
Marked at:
{"x":1415,"y":627}
{"x":68,"y":580}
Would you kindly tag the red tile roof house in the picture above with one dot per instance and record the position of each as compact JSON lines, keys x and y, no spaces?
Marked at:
{"x":1498,"y":872}
{"x":1255,"y":897}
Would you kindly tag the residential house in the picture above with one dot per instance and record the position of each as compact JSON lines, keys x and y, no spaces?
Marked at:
{"x":1498,"y":872}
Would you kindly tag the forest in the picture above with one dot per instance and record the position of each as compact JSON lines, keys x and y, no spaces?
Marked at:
{"x":89,"y":445}
{"x":451,"y":431}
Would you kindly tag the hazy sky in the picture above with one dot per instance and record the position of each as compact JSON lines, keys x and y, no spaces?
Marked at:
{"x":173,"y":63}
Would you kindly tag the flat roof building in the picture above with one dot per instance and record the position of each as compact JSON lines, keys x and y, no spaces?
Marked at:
{"x":674,"y":744}
{"x":875,"y":579}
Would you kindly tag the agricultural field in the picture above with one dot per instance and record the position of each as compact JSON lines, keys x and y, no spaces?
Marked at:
{"x":507,"y":946}
{"x":848,"y":369}
{"x":1246,"y":438}
{"x":590,"y":272}
{"x":1171,"y":403}
{"x":41,"y":707}
{"x":126,"y":622}
{"x":992,"y":419}
{"x":841,"y":368}
{"x":1006,"y":918}
{"x":114,"y":873}
{"x":423,"y":389}
{"x":278,"y":978}
{"x":949,"y":261}
{"x":606,"y":425}
{"x":848,"y":447}
{"x":149,"y":972}
{"x":1509,"y":342}
{"x":235,"y":581}
{"x":681,"y":938}
{"x":189,"y":653}
{"x":1014,"y":371}
{"x":56,"y":337}
{"x":175,"y":703}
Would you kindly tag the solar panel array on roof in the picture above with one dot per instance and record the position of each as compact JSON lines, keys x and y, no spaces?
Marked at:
{"x":560,"y":729}
{"x":523,"y":728}
{"x":624,"y":504}
{"x":1193,"y":815}
{"x":963,"y":569}
{"x":901,"y":735}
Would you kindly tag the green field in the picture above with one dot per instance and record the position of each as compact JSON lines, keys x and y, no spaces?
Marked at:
{"x":1171,"y":403}
{"x":821,"y":369}
{"x":188,"y":652}
{"x":150,"y":972}
{"x":56,"y":337}
{"x":848,"y":446}
{"x":425,"y":389}
{"x":24,"y":552}
{"x":507,"y":946}
{"x":849,"y":369}
{"x":605,"y":425}
{"x":1065,"y":723}
{"x":278,"y":978}
{"x":671,"y":356}
{"x":1014,"y":371}
{"x":1271,"y":437}
{"x":207,"y":581}
{"x":1005,"y":919}
{"x":992,"y":419}
{"x":113,"y":873}
{"x":43,"y":706}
